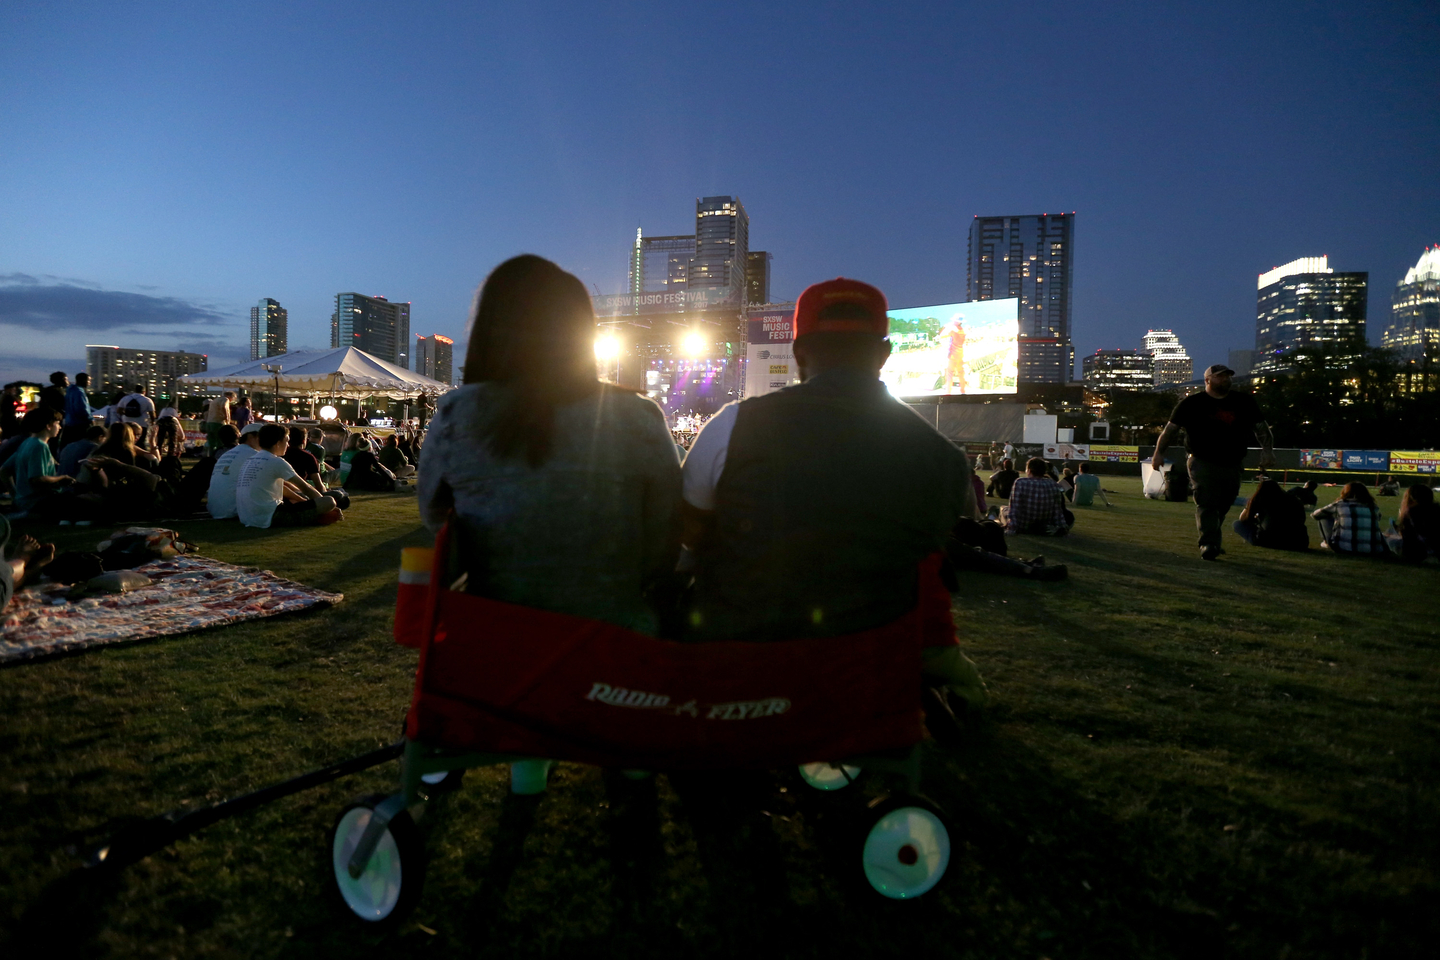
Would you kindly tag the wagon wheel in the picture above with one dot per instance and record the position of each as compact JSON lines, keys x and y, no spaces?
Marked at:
{"x":829,"y":776}
{"x":906,"y":847}
{"x":390,"y":886}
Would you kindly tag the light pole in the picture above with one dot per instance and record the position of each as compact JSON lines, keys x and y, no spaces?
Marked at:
{"x":275,"y":369}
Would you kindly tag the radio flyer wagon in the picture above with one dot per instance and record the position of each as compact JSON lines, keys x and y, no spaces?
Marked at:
{"x":503,"y":684}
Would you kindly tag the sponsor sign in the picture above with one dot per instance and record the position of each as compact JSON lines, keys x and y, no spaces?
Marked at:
{"x":669,"y":301}
{"x":1321,"y":459}
{"x":1067,"y":451}
{"x":1414,"y":461}
{"x":1370,"y":461}
{"x":769,"y":359}
{"x":1110,"y":453}
{"x":954,"y":348}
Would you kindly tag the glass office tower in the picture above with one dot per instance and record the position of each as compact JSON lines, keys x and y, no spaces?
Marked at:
{"x":372,"y":324}
{"x":722,"y":245}
{"x":1305,"y":303}
{"x":268,"y":322}
{"x":1415,"y":310}
{"x":1032,"y":258}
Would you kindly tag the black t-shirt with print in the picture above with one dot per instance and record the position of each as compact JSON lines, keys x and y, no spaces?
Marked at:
{"x":1218,"y":430}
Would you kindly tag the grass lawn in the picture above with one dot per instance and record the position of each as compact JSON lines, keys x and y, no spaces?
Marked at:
{"x":1190,"y":759}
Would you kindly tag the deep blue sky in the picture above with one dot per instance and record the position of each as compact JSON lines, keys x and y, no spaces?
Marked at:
{"x":164,"y":165}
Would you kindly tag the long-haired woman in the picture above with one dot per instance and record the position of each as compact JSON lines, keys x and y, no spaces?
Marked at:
{"x":1273,"y":518}
{"x":1419,"y":524}
{"x":1352,"y":523}
{"x":566,"y":489}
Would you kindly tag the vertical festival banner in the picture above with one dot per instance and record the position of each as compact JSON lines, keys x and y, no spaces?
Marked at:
{"x":769,"y":359}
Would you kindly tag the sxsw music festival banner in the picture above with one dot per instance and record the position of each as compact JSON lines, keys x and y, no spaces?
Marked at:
{"x":1110,"y":453}
{"x":1414,"y":461}
{"x":769,"y":359}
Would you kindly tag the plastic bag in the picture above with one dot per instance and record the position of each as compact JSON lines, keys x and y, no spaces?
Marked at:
{"x":1153,"y":481}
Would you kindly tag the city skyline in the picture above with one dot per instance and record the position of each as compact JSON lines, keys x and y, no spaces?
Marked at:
{"x":1183,"y":138}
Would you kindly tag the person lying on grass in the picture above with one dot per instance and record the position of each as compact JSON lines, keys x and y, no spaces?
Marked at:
{"x":270,"y":492}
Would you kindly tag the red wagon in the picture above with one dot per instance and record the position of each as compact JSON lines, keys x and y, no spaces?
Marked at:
{"x":503,"y":684}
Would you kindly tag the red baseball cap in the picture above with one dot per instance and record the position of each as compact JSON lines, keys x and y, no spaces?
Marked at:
{"x":841,"y":306}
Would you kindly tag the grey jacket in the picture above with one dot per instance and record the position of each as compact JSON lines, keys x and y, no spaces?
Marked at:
{"x":586,"y":533}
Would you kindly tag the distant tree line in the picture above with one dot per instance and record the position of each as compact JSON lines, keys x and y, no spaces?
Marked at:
{"x":1357,"y":398}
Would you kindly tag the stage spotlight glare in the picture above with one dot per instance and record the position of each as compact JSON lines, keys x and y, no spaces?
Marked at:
{"x":607,"y":347}
{"x":694,"y":343}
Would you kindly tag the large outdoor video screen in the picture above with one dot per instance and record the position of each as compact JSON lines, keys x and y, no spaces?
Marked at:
{"x":954,"y":348}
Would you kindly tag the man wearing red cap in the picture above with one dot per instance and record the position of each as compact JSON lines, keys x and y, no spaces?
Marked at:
{"x":809,"y":509}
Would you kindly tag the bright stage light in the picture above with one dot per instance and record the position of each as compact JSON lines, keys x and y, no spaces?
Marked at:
{"x":607,"y":347}
{"x":328,"y":412}
{"x":693,"y":344}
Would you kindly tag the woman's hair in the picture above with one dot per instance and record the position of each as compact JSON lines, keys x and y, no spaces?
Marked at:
{"x":1357,"y":491}
{"x":353,"y":441}
{"x":169,"y":438}
{"x":532,"y":329}
{"x":118,"y":441}
{"x":1265,"y":492}
{"x":1417,"y":495}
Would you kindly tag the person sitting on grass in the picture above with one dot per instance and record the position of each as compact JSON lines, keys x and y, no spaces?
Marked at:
{"x":191,"y":494}
{"x":360,"y":470}
{"x":1419,"y":524}
{"x":1087,"y":485}
{"x":38,"y":484}
{"x":1390,"y":488}
{"x":315,"y":446}
{"x":74,"y":454}
{"x":393,"y":459}
{"x":169,"y":446}
{"x":1036,"y":505}
{"x":270,"y":493}
{"x":220,"y":498}
{"x":1272,"y":518}
{"x":303,"y":461}
{"x":1305,"y":493}
{"x":1003,"y":479}
{"x":1351,"y":525}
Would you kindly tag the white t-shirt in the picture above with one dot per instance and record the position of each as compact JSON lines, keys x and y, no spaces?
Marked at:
{"x":147,"y":408}
{"x":221,"y":499}
{"x":261,"y":488}
{"x":706,"y":459}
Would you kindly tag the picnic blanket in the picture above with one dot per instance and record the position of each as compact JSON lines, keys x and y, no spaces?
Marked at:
{"x":185,"y":593}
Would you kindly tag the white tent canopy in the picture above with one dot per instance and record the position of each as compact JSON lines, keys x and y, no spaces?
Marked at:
{"x":341,"y":372}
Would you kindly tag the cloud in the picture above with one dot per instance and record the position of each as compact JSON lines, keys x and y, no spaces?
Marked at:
{"x":53,"y":303}
{"x":36,"y":369}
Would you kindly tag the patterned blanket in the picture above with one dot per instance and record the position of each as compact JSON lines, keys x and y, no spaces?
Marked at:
{"x":185,"y":593}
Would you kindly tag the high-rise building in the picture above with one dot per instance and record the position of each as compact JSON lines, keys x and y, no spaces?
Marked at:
{"x":1118,"y":370}
{"x":1032,"y":258}
{"x":1241,"y":361}
{"x":1415,"y":310}
{"x":1305,"y":303}
{"x":757,"y":277}
{"x":722,"y":246}
{"x":433,"y":357}
{"x":1172,"y":363}
{"x":372,"y":324}
{"x":268,"y":322}
{"x":120,"y":368}
{"x":660,"y":264}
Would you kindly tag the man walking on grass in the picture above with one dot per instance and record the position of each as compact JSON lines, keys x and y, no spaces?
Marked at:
{"x":1218,"y":425}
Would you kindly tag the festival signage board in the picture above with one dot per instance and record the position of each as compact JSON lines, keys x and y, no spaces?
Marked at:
{"x":1111,"y":453}
{"x":666,"y":301}
{"x":1321,"y":459}
{"x":1370,"y":461}
{"x":1067,"y":451}
{"x":1414,"y":461}
{"x":769,"y":359}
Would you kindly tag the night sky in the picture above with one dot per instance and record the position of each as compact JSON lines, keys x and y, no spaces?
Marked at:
{"x":165,"y":165}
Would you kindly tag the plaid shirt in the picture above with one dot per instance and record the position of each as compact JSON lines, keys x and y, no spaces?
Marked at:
{"x":1035,"y":507}
{"x":1357,"y":527}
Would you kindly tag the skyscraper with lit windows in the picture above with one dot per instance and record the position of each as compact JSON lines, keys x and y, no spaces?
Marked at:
{"x":372,"y":324}
{"x":433,"y":357}
{"x":1415,"y":310}
{"x":1172,"y":362}
{"x":1032,"y":258}
{"x":1305,"y":303}
{"x":268,"y":335}
{"x":722,"y":246}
